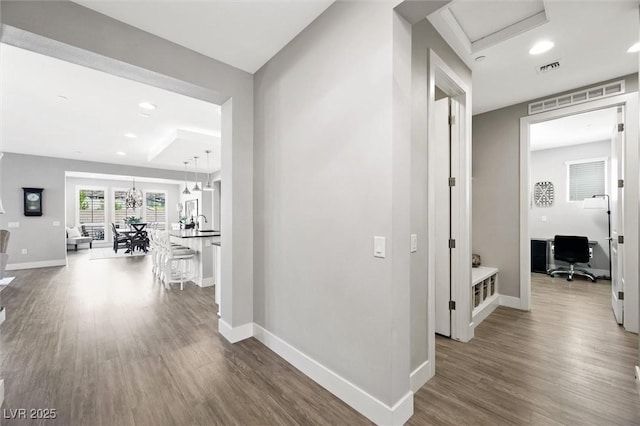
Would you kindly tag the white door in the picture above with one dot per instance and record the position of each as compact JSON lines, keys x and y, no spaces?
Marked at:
{"x":442,"y":156}
{"x":617,"y":220}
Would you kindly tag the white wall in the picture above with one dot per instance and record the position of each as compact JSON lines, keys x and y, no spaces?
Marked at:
{"x":564,"y":217}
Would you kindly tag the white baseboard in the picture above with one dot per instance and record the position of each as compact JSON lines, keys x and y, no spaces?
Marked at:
{"x":32,"y":265}
{"x":510,"y":302}
{"x":234,"y":335}
{"x":372,"y":408}
{"x":420,"y":376}
{"x":487,"y":309}
{"x":207,"y":282}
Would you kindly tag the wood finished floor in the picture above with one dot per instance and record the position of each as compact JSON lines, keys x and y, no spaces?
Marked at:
{"x":564,"y":363}
{"x":105,"y":345}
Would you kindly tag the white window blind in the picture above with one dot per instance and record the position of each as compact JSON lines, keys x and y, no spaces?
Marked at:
{"x":586,"y":179}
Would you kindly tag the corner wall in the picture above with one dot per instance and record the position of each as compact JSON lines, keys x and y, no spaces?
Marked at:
{"x":424,"y":37}
{"x":323,"y":189}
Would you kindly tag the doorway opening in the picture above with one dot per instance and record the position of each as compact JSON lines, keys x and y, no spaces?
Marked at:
{"x":577,"y":180}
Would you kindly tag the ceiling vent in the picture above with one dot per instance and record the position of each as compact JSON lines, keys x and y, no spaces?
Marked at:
{"x":597,"y":92}
{"x":551,"y":66}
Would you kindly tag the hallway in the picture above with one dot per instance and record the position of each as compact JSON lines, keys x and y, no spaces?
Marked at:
{"x":564,"y":363}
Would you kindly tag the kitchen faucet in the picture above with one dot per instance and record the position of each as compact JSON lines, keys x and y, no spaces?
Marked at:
{"x":198,"y":222}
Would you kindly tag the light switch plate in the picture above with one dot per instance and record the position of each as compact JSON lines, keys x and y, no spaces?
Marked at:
{"x":414,"y":243}
{"x":379,"y":249}
{"x":543,"y":218}
{"x":13,"y":225}
{"x":56,"y":223}
{"x":24,"y":251}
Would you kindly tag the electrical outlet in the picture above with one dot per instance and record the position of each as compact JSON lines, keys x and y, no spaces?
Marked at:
{"x":13,"y":225}
{"x":543,"y":218}
{"x":24,"y":251}
{"x":56,"y":223}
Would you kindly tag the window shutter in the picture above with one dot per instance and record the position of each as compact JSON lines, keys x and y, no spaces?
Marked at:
{"x":586,"y":179}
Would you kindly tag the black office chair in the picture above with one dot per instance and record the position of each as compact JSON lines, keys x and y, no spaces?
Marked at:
{"x":572,"y":249}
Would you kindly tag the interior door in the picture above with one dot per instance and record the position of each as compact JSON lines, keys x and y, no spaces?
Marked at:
{"x":617,"y":220}
{"x":442,"y":155}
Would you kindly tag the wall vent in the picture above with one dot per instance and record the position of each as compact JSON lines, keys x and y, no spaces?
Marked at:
{"x":597,"y":92}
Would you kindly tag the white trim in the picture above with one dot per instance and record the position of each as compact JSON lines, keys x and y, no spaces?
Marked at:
{"x":235,"y":334}
{"x":3,"y":316}
{"x":1,"y":392}
{"x":637,"y":370}
{"x":440,"y":74}
{"x":369,"y":406}
{"x":420,"y":376}
{"x":207,"y":282}
{"x":631,"y":211}
{"x":511,"y":302}
{"x":32,"y":265}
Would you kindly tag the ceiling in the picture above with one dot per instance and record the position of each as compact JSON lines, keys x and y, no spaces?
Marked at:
{"x":244,"y":34}
{"x":591,"y":39}
{"x":97,"y":111}
{"x":593,"y":126}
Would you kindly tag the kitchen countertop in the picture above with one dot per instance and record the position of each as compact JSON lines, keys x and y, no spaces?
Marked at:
{"x":190,"y":233}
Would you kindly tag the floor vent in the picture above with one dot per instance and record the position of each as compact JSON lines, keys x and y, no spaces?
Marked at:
{"x":603,"y":91}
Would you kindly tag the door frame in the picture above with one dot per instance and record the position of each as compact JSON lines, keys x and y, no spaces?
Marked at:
{"x":632,"y":196}
{"x":441,"y":75}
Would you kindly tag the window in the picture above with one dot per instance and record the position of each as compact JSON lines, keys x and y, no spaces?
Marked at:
{"x":586,"y":178}
{"x":155,"y":209}
{"x":120,"y":210}
{"x":91,"y":211}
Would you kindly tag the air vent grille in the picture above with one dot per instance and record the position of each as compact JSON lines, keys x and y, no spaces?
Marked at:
{"x":603,"y":91}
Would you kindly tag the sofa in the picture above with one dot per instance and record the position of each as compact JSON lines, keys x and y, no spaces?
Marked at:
{"x":78,"y":235}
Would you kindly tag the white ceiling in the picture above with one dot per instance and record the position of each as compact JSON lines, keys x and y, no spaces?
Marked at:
{"x":99,"y":110}
{"x":591,"y":39}
{"x":244,"y":34}
{"x":577,"y":129}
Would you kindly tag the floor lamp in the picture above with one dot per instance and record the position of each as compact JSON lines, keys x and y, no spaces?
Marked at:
{"x":588,"y":205}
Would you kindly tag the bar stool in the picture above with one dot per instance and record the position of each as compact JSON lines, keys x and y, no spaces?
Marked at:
{"x":177,"y":263}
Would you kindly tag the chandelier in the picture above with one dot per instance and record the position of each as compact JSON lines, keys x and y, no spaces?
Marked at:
{"x":133,"y":200}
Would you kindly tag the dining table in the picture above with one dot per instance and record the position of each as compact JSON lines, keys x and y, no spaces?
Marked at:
{"x":137,"y":237}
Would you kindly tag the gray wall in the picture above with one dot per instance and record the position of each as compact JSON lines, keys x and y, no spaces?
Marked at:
{"x":71,"y":32}
{"x":37,"y":234}
{"x":496,"y":188}
{"x":564,"y":217}
{"x":424,"y":37}
{"x":173,"y":195}
{"x":323,"y":190}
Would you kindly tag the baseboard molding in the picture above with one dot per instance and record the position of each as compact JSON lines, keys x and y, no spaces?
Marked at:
{"x":207,"y":282}
{"x":234,"y":335}
{"x":510,"y":302}
{"x":420,"y":376}
{"x":372,"y":408}
{"x":33,"y":265}
{"x":487,"y":309}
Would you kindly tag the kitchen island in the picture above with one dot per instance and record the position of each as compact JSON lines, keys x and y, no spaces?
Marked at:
{"x":206,"y":244}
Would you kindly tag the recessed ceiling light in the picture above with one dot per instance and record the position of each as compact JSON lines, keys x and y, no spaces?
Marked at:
{"x":147,"y":105}
{"x":541,"y":47}
{"x":481,"y":58}
{"x":130,"y":135}
{"x":635,"y":48}
{"x":64,"y":98}
{"x":121,"y":153}
{"x":142,"y":114}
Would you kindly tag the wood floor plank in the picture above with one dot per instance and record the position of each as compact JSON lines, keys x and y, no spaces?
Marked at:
{"x":105,"y":344}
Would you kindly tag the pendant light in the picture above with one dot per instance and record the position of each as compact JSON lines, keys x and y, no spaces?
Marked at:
{"x":196,"y":188}
{"x":208,"y":186}
{"x":133,"y":200}
{"x":186,"y":189}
